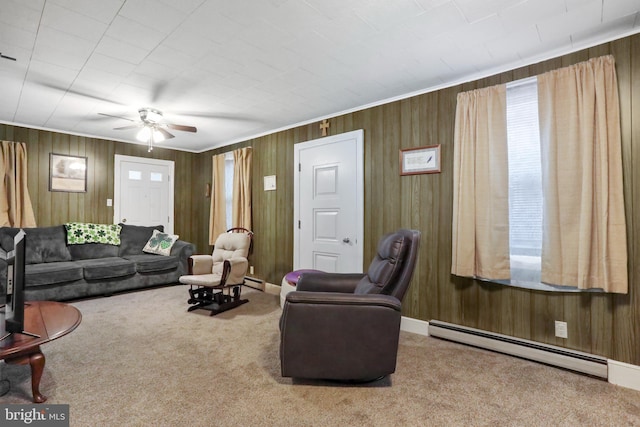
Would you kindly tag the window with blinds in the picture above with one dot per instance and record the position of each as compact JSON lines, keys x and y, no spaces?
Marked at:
{"x":563,"y":220}
{"x":228,"y":187}
{"x":525,"y":182}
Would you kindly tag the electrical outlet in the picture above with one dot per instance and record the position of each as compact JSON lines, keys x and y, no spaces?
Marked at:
{"x":251,"y":270}
{"x":561,"y":329}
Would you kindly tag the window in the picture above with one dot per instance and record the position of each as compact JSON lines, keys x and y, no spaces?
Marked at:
{"x":525,"y":182}
{"x":525,"y":187}
{"x":135,"y":175}
{"x":538,"y":195}
{"x":231,"y":192}
{"x":228,"y":188}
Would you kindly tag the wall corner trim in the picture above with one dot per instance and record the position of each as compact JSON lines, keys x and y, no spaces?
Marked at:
{"x":624,"y":374}
{"x":415,"y":326}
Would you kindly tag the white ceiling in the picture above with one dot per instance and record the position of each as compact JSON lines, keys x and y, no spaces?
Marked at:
{"x":242,"y":68}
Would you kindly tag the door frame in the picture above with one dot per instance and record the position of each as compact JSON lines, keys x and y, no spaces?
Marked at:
{"x":358,"y":135}
{"x":118,"y":159}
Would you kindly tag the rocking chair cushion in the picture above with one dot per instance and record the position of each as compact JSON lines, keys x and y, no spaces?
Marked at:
{"x":239,"y":267}
{"x":201,"y":264}
{"x":231,"y":245}
{"x":236,"y":275}
{"x":207,"y":280}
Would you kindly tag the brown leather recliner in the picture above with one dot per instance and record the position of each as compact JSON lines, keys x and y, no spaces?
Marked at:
{"x":347,"y":326}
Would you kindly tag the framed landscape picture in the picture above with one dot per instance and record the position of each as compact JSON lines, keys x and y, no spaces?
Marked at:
{"x":67,"y":173}
{"x":419,"y":160}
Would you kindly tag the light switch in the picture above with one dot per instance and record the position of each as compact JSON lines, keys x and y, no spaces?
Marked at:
{"x":109,"y":202}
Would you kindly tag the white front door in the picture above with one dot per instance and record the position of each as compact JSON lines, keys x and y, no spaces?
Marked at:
{"x":329,"y":203}
{"x":143,"y":193}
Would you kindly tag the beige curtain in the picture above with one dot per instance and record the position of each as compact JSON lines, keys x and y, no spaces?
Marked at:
{"x":217,"y":216}
{"x":584,"y":231}
{"x":480,"y":185}
{"x":241,"y":212}
{"x":15,"y":204}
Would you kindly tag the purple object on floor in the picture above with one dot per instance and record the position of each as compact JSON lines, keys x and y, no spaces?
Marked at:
{"x":292,"y":278}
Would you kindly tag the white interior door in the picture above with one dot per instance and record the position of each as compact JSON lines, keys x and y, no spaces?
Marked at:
{"x":143,"y":193}
{"x":329,"y":203}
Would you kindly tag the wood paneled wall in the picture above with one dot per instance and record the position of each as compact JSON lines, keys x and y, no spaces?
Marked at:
{"x":52,"y":208}
{"x":603,"y":324}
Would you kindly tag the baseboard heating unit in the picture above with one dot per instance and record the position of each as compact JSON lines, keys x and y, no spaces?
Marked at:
{"x":531,"y":350}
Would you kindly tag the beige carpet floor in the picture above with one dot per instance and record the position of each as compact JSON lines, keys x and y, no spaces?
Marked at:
{"x":139,"y":359}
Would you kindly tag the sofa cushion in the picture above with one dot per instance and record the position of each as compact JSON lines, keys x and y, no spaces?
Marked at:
{"x":134,"y":237}
{"x":79,"y":233}
{"x":154,"y":263}
{"x":50,"y":273}
{"x":106,"y":268}
{"x":44,"y":244}
{"x":92,"y":251}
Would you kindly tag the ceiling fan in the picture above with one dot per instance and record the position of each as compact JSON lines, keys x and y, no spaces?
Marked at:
{"x":153,"y":127}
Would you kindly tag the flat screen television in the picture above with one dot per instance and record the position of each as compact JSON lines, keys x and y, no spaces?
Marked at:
{"x":14,"y":303}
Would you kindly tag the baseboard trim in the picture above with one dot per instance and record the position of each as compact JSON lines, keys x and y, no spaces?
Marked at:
{"x":624,"y":374}
{"x":619,"y":373}
{"x":270,"y":288}
{"x":254,"y":282}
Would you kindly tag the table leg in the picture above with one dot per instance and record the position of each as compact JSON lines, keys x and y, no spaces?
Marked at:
{"x":37,"y":368}
{"x":36,"y":360}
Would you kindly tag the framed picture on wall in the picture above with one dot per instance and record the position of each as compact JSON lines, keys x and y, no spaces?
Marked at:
{"x":67,"y":173}
{"x":414,"y":161}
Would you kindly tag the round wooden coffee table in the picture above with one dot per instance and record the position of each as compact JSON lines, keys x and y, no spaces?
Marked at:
{"x":48,"y":320}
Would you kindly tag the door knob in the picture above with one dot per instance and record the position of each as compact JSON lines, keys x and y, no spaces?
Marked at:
{"x":124,"y":220}
{"x":346,"y":240}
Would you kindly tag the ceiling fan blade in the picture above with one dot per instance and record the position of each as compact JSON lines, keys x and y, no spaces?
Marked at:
{"x":117,"y":117}
{"x":166,"y":134}
{"x":182,"y":127}
{"x":67,"y":90}
{"x":211,"y":115}
{"x":127,"y":127}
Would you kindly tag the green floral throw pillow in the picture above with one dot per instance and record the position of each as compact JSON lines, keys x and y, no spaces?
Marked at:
{"x":79,"y":233}
{"x":160,"y":243}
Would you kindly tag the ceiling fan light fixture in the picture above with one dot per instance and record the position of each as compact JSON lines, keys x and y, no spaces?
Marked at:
{"x":158,"y":136}
{"x":144,"y":134}
{"x":152,"y":127}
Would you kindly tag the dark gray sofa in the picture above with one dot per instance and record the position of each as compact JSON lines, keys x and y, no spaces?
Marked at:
{"x":57,"y":271}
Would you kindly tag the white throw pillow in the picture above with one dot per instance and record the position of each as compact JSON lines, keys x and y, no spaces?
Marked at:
{"x":160,"y":243}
